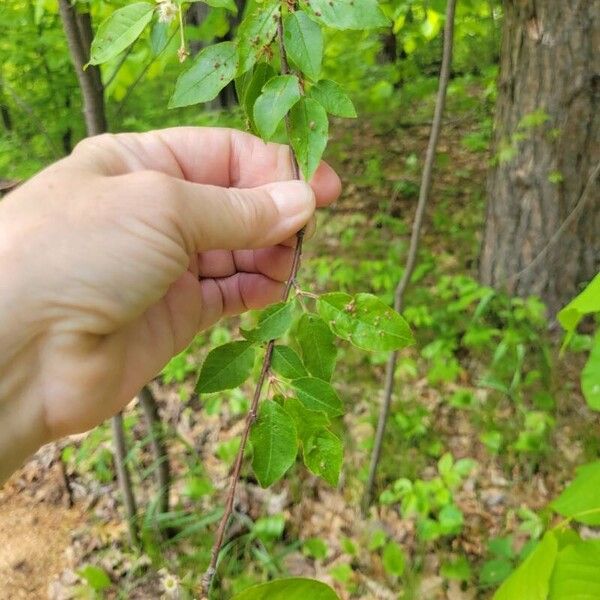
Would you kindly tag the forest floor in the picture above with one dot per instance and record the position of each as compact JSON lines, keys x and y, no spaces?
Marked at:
{"x":43,"y":544}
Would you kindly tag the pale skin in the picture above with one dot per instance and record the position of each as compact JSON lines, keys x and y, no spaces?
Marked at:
{"x":114,"y":258}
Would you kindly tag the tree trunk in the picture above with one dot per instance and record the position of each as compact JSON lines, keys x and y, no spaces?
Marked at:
{"x":547,"y":142}
{"x":78,"y":30}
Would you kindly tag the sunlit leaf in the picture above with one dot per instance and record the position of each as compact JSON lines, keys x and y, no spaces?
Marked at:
{"x":332,"y":98}
{"x":324,"y":455}
{"x":273,"y":322}
{"x":317,"y":344}
{"x":226,"y":367}
{"x":581,"y":500}
{"x":288,"y":589}
{"x":349,"y":14}
{"x":256,"y":31}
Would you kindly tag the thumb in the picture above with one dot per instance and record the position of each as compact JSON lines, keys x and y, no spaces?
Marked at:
{"x":212,"y":217}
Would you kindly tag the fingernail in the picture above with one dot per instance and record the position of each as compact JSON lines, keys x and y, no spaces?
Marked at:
{"x":294,"y":199}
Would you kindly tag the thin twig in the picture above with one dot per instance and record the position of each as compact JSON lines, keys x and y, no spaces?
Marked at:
{"x":579,"y":206}
{"x":251,"y":416}
{"x":426,"y":181}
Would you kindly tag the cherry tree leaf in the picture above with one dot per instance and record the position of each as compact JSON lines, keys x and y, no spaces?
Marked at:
{"x":159,"y":37}
{"x":304,"y":43}
{"x":324,"y":456}
{"x":226,"y":367}
{"x":365,"y":321}
{"x":590,"y":376}
{"x":308,"y":422}
{"x":577,"y":572}
{"x":274,"y":443}
{"x":309,"y":131}
{"x":212,"y":70}
{"x":317,"y":344}
{"x":580,"y":499}
{"x":249,"y":87}
{"x":120,"y":30}
{"x":349,"y":14}
{"x":273,"y":322}
{"x":333,"y":99}
{"x":318,"y":395}
{"x":287,"y":363}
{"x":228,"y":4}
{"x":257,"y":31}
{"x":294,"y":588}
{"x":278,"y":95}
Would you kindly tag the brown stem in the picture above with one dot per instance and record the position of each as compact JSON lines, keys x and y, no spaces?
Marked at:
{"x":159,"y":449}
{"x":78,"y":31}
{"x":251,"y":416}
{"x":426,"y":181}
{"x":118,"y":436}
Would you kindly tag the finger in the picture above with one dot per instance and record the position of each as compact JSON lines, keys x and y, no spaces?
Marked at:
{"x":274,"y":262}
{"x":203,"y":217}
{"x":215,"y":156}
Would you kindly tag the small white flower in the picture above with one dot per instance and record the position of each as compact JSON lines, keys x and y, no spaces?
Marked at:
{"x":167,"y":11}
{"x":170,"y":584}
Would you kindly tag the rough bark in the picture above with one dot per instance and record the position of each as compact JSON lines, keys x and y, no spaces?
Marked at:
{"x":549,"y":65}
{"x":78,"y":30}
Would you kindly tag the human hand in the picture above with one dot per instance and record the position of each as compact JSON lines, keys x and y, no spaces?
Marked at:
{"x":114,"y":258}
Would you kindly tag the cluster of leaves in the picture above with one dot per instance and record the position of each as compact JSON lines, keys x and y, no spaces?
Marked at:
{"x":430,"y":501}
{"x":303,"y":404}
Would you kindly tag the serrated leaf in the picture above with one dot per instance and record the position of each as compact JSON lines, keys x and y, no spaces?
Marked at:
{"x":252,"y":88}
{"x":119,"y":31}
{"x":274,"y":443}
{"x":257,"y":31}
{"x":577,"y":572}
{"x":294,"y":588}
{"x":287,"y":363}
{"x":531,"y":580}
{"x":309,"y":131}
{"x":159,"y":37}
{"x":590,"y":375}
{"x":318,"y":395}
{"x":308,"y":422}
{"x":317,"y":344}
{"x":278,"y":95}
{"x":226,"y":367}
{"x":580,"y":500}
{"x":587,"y":302}
{"x":273,"y":322}
{"x":324,"y":456}
{"x":304,"y":43}
{"x":212,"y":70}
{"x":393,"y":559}
{"x":365,"y":321}
{"x":349,"y":14}
{"x":333,"y":99}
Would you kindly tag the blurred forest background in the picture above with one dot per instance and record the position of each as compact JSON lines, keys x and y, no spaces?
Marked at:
{"x":488,"y":421}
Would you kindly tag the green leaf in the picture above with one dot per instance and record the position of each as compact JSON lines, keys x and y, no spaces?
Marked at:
{"x":159,"y":37}
{"x":257,"y":31}
{"x":531,"y":581}
{"x":273,"y":322}
{"x":119,"y":31}
{"x":324,"y":455}
{"x":256,"y":80}
{"x":317,"y":344}
{"x":349,"y":14}
{"x":393,"y":559}
{"x":459,"y":569}
{"x":96,"y":577}
{"x":228,"y":4}
{"x":590,"y":376}
{"x":318,"y":395}
{"x":584,"y":304}
{"x":308,"y":422}
{"x":226,"y":367}
{"x":294,"y":588}
{"x":493,"y":572}
{"x":316,"y":548}
{"x":212,"y":70}
{"x":304,"y":43}
{"x":577,"y":572}
{"x":287,"y":363}
{"x":278,"y":95}
{"x":333,"y":99}
{"x":274,"y":443}
{"x":309,"y":131}
{"x":365,"y":321}
{"x":581,"y":497}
